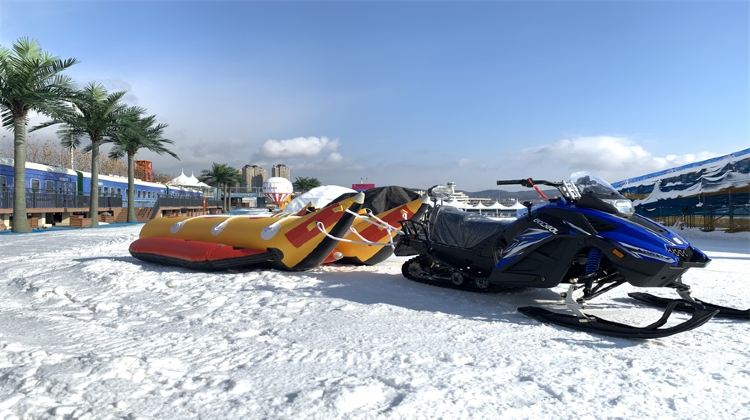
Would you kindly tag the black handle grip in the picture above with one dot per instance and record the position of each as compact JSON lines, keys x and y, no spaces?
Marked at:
{"x":512,"y":182}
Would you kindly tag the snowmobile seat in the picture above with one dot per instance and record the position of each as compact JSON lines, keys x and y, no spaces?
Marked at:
{"x":453,"y":227}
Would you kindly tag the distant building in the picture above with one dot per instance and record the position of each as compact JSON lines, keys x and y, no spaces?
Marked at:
{"x":458,"y":195}
{"x":144,"y":170}
{"x":281,"y":170}
{"x":253,"y":176}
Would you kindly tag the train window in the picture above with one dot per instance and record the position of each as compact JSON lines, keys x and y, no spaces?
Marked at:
{"x":138,"y":193}
{"x":119,"y":191}
{"x":3,"y":181}
{"x":35,"y":184}
{"x":49,"y":186}
{"x":105,"y":190}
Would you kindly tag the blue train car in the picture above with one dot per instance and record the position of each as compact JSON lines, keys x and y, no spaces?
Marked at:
{"x":43,"y":178}
{"x":50,"y":179}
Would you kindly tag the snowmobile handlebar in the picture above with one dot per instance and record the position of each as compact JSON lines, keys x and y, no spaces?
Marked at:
{"x":528,"y":182}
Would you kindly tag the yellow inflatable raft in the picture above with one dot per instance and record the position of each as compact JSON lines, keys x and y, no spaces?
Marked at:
{"x":284,"y":241}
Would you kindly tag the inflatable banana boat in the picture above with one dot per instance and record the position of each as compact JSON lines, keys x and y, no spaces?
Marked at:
{"x":373,"y":235}
{"x":289,"y":242}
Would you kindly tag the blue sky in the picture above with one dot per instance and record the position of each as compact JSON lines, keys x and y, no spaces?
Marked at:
{"x":418,"y":93}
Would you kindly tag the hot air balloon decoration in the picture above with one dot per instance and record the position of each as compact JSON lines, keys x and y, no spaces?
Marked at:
{"x":278,"y":190}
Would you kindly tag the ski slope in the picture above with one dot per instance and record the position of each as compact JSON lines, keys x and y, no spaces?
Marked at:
{"x":86,"y":331}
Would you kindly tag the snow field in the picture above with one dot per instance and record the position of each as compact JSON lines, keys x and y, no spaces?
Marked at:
{"x":86,"y":331}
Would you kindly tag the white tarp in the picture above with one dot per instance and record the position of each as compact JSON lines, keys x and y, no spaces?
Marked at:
{"x":319,"y":197}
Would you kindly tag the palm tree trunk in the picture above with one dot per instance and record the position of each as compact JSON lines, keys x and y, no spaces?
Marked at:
{"x":229,"y":197}
{"x":131,"y":189}
{"x":94,"y":205}
{"x":20,"y":223}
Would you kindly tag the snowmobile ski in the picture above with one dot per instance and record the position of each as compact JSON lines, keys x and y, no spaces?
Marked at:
{"x":683,"y":305}
{"x":596,"y":325}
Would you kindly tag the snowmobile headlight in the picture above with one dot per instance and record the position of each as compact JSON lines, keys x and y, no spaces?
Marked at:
{"x":624,"y":207}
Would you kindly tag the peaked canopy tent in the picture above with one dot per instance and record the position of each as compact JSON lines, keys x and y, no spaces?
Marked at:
{"x":497,"y":206}
{"x":181,"y":180}
{"x":197,"y":182}
{"x":495,"y":209}
{"x":191,"y":181}
{"x":517,"y":206}
{"x":476,"y":207}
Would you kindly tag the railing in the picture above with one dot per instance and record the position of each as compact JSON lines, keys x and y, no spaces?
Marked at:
{"x":36,"y":199}
{"x":164,"y":201}
{"x":43,"y":199}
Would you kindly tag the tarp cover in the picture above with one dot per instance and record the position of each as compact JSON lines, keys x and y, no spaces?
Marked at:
{"x":453,"y":227}
{"x":318,"y":197}
{"x":381,"y":199}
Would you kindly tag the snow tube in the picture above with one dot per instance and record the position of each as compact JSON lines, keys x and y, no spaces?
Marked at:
{"x":284,"y":241}
{"x":199,"y":255}
{"x":390,"y":205}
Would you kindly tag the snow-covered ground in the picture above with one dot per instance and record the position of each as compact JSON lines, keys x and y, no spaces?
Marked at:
{"x":88,"y":331}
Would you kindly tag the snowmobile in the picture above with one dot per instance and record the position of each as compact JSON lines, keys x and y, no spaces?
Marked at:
{"x":588,"y":237}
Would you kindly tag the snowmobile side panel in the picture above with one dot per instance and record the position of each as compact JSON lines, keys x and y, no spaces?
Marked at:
{"x":545,"y":266}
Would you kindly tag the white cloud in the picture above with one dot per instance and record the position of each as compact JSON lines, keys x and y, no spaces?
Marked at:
{"x":298,"y":147}
{"x":307,"y":156}
{"x":335,"y":157}
{"x":612,"y":157}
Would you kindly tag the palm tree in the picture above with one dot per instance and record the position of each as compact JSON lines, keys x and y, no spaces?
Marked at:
{"x":304,"y":184}
{"x":136,"y":132}
{"x":221,"y":176}
{"x":96,"y":115}
{"x":30,"y":80}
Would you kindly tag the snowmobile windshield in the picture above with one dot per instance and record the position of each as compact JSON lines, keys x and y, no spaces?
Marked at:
{"x":599,"y":194}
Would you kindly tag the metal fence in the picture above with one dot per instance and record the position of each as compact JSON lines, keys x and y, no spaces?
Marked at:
{"x":36,"y":199}
{"x":168,"y":201}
